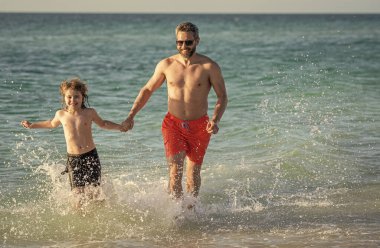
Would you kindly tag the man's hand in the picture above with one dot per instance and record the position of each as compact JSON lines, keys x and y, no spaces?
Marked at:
{"x":212,"y":127}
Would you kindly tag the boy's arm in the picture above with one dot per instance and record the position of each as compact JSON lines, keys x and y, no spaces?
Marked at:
{"x":105,"y":124}
{"x":53,"y":123}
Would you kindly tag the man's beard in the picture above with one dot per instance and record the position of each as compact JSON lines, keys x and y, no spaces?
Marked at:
{"x":187,"y":53}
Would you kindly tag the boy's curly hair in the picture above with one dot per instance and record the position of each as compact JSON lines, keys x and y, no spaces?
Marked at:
{"x":74,"y":84}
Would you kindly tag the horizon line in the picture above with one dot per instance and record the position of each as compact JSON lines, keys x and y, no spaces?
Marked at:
{"x":192,"y":13}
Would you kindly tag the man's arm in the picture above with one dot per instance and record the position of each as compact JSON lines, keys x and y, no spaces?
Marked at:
{"x":145,"y":93}
{"x":217,"y":82}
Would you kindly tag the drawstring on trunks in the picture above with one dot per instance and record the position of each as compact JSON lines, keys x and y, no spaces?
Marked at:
{"x":74,"y":161}
{"x":185,"y":125}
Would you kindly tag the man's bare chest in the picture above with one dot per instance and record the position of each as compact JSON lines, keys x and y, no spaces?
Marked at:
{"x":191,"y":76}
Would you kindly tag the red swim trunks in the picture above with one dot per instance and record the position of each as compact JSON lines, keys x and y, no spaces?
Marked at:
{"x":188,"y":136}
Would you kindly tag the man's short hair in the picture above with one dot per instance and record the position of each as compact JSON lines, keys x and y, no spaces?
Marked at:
{"x":187,"y":27}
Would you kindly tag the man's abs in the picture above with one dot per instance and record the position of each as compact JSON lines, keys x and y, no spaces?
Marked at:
{"x":187,"y":111}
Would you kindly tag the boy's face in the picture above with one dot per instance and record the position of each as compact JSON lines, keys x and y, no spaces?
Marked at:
{"x":73,"y":99}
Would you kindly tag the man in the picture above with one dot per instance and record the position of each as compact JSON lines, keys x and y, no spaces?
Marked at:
{"x":186,"y":128}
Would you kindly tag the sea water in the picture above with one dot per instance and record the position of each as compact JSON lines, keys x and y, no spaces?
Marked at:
{"x":295,"y":163}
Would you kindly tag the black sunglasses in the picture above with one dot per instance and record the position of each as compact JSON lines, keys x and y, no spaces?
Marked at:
{"x":187,"y":42}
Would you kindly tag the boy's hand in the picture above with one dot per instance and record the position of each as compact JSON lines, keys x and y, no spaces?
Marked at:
{"x":26,"y":124}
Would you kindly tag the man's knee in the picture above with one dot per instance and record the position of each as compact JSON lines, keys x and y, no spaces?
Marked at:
{"x":177,"y":159}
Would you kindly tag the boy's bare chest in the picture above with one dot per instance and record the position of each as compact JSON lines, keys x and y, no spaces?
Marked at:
{"x":77,"y":121}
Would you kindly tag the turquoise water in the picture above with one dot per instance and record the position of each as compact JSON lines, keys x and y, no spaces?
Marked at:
{"x":296,"y":162}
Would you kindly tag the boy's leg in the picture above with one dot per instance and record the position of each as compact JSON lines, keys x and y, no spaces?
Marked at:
{"x":92,"y":192}
{"x":78,"y":193}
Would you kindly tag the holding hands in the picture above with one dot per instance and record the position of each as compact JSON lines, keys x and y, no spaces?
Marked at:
{"x":127,"y":124}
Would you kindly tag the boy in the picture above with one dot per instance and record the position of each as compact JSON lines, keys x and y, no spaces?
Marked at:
{"x":83,"y":164}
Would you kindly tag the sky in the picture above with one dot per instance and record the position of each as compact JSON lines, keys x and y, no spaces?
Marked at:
{"x":192,"y":6}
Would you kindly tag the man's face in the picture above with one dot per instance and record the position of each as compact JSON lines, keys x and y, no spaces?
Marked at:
{"x":186,"y":44}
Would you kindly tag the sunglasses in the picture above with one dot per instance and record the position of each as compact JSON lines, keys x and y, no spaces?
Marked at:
{"x":187,"y":42}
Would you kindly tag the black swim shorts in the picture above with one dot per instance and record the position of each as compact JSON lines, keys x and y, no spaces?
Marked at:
{"x":84,"y":169}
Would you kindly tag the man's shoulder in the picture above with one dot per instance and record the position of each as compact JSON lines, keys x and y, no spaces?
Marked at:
{"x":207,"y":61}
{"x":168,"y":60}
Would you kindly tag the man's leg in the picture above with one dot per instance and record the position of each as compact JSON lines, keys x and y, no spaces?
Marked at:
{"x":175,"y":174}
{"x":193,"y":177}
